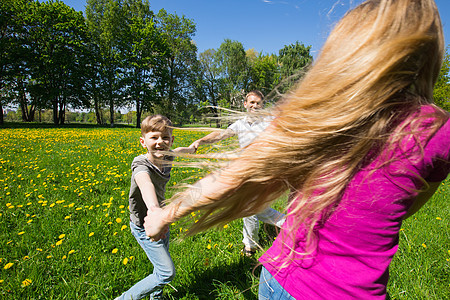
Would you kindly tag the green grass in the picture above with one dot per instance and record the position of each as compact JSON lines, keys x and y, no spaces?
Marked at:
{"x":64,"y":226}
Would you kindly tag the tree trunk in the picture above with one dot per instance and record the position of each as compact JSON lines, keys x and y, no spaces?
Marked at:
{"x":55,"y":111}
{"x":22,"y":101}
{"x":1,"y":113}
{"x":97,"y":110}
{"x":111,"y":111}
{"x":62,"y":111}
{"x":138,"y":114}
{"x":31,"y":113}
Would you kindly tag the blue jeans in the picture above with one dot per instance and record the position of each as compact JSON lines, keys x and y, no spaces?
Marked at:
{"x":269,"y":288}
{"x":163,"y":267}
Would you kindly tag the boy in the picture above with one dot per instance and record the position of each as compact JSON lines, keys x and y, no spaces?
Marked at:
{"x":247,"y":129}
{"x":150,"y":174}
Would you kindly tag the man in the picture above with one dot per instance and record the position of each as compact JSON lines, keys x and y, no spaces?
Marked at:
{"x":247,"y":129}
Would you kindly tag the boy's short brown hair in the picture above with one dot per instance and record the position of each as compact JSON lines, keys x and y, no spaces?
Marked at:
{"x":156,"y":123}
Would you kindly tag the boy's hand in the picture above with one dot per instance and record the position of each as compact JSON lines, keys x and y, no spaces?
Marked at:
{"x":195,"y":145}
{"x":192,"y":149}
{"x":154,"y":224}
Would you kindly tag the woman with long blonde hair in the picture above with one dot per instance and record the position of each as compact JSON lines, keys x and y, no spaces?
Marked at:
{"x":359,"y":145}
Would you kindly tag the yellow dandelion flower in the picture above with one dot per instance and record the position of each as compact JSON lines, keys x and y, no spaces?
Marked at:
{"x":64,"y":257}
{"x":59,"y":242}
{"x":115,"y":250}
{"x":123,"y":227}
{"x":39,"y":249}
{"x":423,"y":245}
{"x":209,"y":246}
{"x":91,"y":234}
{"x":1,"y":280}
{"x":438,"y":218}
{"x":225,"y":226}
{"x":20,"y":233}
{"x":26,"y":257}
{"x":8,"y":265}
{"x":89,"y":258}
{"x":61,"y":236}
{"x":67,"y":217}
{"x":49,"y":256}
{"x":125,"y":261}
{"x":119,"y":220}
{"x":26,"y":282}
{"x":71,"y":252}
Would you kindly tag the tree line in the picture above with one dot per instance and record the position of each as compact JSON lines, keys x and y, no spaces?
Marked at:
{"x":122,"y":54}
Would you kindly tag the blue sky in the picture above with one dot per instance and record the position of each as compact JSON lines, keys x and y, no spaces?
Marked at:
{"x":264,"y":25}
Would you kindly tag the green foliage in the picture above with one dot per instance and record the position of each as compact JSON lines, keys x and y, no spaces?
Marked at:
{"x":120,"y":55}
{"x":264,"y":73}
{"x":441,"y":93}
{"x":177,"y":67}
{"x":233,"y":68}
{"x":293,"y":60}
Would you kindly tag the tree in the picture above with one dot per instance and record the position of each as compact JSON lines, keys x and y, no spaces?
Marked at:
{"x":264,"y":72}
{"x":293,"y":59}
{"x":57,"y":34}
{"x":105,"y":20}
{"x":441,"y":93}
{"x":176,"y":75}
{"x":14,"y":53}
{"x":234,"y":72}
{"x":207,"y":87}
{"x":141,"y":47}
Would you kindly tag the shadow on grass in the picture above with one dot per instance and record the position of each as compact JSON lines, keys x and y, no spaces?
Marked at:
{"x":231,"y":281}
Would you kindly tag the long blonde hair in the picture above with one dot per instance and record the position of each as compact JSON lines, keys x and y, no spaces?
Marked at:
{"x":379,"y":63}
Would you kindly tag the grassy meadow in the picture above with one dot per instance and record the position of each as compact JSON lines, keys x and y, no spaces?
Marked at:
{"x":64,"y":226}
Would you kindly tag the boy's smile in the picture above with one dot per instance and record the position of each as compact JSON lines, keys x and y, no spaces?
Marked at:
{"x":157,"y":143}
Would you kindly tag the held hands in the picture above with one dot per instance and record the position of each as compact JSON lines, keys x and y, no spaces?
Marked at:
{"x":154,"y":223}
{"x":195,"y":145}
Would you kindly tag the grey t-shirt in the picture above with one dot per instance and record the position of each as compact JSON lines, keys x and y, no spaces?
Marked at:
{"x":159,"y":178}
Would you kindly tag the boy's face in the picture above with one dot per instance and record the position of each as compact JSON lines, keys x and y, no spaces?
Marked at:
{"x":157,"y":142}
{"x":253,"y":103}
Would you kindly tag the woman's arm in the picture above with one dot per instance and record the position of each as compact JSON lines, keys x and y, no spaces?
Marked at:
{"x":199,"y":195}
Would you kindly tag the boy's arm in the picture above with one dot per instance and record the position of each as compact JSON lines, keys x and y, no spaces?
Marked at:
{"x":147,"y":189}
{"x":158,"y":219}
{"x":213,"y":137}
